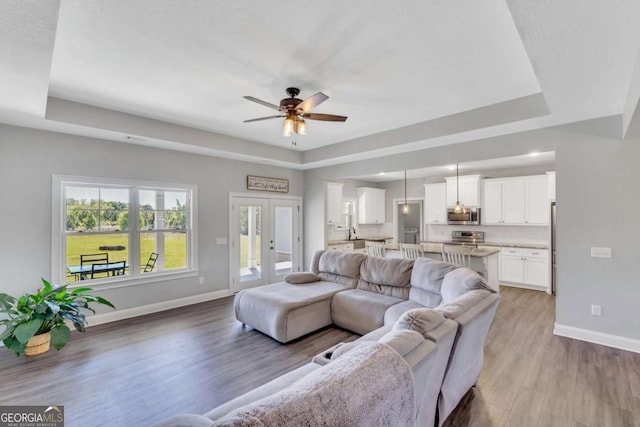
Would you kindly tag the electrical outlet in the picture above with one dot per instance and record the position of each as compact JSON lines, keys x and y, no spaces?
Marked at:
{"x":596,"y":310}
{"x":201,"y":280}
{"x":600,"y":252}
{"x":221,"y":240}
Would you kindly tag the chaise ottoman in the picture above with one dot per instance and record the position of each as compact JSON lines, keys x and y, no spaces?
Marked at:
{"x":286,"y":311}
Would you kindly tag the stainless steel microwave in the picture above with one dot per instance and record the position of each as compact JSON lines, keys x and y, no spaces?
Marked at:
{"x":468,"y":216}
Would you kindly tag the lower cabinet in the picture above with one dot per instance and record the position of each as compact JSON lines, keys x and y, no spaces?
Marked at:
{"x":526,"y":267}
{"x":344,"y":247}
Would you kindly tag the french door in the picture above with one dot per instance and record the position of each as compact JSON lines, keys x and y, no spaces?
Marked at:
{"x":265,"y":242}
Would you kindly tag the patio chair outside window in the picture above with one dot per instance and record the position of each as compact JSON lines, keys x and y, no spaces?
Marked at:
{"x":151,"y":263}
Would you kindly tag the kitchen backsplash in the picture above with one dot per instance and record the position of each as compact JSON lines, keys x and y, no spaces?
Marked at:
{"x":494,"y":233}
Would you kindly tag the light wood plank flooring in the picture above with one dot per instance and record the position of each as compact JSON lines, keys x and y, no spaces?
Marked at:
{"x":135,"y":372}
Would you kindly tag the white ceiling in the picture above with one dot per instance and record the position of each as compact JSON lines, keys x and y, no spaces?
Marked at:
{"x":532,"y":159}
{"x":387,"y":68}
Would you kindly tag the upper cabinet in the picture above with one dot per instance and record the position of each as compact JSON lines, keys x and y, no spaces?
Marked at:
{"x":469,"y":190}
{"x":371,"y":205}
{"x":435,"y":203}
{"x":334,"y":203}
{"x":516,"y":201}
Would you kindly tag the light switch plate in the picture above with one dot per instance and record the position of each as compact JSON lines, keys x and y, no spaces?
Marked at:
{"x":600,"y":252}
{"x":221,"y":240}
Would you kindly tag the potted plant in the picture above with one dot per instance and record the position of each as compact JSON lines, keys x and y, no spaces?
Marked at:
{"x":34,"y":321}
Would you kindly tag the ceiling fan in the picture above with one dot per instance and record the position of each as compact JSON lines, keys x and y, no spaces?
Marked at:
{"x":295,"y":110}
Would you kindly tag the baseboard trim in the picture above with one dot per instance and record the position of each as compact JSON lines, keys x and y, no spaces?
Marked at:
{"x":595,"y":337}
{"x":100,"y":319}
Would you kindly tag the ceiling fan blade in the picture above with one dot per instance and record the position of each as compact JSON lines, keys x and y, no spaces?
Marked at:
{"x":263,"y":118}
{"x":324,"y":117}
{"x":261,"y":102}
{"x":312,"y":102}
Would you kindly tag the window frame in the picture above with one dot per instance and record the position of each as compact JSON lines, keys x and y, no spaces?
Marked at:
{"x":60,"y":233}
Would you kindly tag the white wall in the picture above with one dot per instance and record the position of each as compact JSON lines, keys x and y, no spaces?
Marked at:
{"x":29,"y":158}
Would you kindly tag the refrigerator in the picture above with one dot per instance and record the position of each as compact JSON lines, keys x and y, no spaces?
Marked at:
{"x":553,"y":248}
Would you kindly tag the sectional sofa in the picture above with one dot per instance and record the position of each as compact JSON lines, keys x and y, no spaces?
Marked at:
{"x":427,"y":316}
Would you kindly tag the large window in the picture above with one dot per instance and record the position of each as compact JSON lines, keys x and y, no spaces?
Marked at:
{"x":110,"y":230}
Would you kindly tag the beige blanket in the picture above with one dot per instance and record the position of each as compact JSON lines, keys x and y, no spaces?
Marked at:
{"x":371,"y":385}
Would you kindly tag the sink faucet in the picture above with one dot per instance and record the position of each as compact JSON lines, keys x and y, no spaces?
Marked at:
{"x":352,"y":231}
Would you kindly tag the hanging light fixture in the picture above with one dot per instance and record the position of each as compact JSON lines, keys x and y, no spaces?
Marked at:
{"x":458,"y":208}
{"x":405,"y":208}
{"x":287,"y":127}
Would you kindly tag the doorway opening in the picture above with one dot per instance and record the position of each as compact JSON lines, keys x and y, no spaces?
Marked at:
{"x":408,"y":227}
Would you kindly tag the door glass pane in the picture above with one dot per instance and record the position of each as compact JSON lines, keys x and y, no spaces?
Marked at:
{"x":283,"y":240}
{"x":250,"y":239}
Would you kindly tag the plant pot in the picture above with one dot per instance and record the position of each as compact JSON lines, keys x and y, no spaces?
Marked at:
{"x":38,"y":344}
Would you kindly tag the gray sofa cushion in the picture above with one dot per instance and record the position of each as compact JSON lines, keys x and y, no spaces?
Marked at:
{"x":340,"y":267}
{"x":460,"y":281}
{"x":360,"y":311}
{"x":315,"y":261}
{"x":394,"y":312}
{"x":426,"y":281}
{"x":422,"y":320}
{"x":301,"y":278}
{"x":387,"y":276}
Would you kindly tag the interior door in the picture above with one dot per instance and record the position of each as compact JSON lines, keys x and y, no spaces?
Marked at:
{"x":265,"y":242}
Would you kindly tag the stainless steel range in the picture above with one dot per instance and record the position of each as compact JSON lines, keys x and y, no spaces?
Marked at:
{"x":471,"y":238}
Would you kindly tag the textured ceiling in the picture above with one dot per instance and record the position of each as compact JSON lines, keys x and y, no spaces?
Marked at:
{"x":428,"y":73}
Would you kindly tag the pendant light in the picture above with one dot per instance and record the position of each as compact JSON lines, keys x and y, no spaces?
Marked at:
{"x":458,"y":208}
{"x":405,"y":208}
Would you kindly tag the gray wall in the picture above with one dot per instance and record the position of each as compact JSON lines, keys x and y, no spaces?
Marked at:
{"x":598,"y":200}
{"x":29,"y":158}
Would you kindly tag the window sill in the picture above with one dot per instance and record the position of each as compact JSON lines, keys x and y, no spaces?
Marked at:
{"x":110,"y":283}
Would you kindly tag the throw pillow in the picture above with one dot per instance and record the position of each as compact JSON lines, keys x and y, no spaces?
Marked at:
{"x":300,"y":278}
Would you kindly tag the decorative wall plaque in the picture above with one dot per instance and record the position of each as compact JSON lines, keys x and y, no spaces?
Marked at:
{"x":261,"y":183}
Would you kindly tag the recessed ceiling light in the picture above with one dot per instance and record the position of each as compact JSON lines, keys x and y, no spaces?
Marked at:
{"x":535,"y":153}
{"x":380,"y":173}
{"x":451,"y":167}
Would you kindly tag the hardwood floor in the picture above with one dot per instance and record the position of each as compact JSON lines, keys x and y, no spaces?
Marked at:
{"x":534,"y":378}
{"x":137,"y":371}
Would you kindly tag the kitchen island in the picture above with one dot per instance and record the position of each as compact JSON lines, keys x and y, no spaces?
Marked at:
{"x":483,"y":260}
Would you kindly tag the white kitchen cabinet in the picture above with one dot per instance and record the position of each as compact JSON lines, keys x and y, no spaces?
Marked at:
{"x":344,"y":247}
{"x":537,"y":211}
{"x":516,"y":201}
{"x":334,"y":203}
{"x":435,"y":203}
{"x":371,"y":205}
{"x":469,"y":191}
{"x":528,"y":268}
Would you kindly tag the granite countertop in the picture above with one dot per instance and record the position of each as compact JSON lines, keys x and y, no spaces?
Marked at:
{"x":370,"y":238}
{"x":501,"y":245}
{"x":516,"y":245}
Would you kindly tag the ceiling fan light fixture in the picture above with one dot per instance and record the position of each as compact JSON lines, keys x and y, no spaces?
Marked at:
{"x":287,"y":127}
{"x":300,"y":127}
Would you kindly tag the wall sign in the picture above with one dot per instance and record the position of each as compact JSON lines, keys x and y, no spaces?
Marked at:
{"x":261,"y":183}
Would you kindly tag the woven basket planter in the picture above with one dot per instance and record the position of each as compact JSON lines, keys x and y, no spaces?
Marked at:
{"x":38,"y":344}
